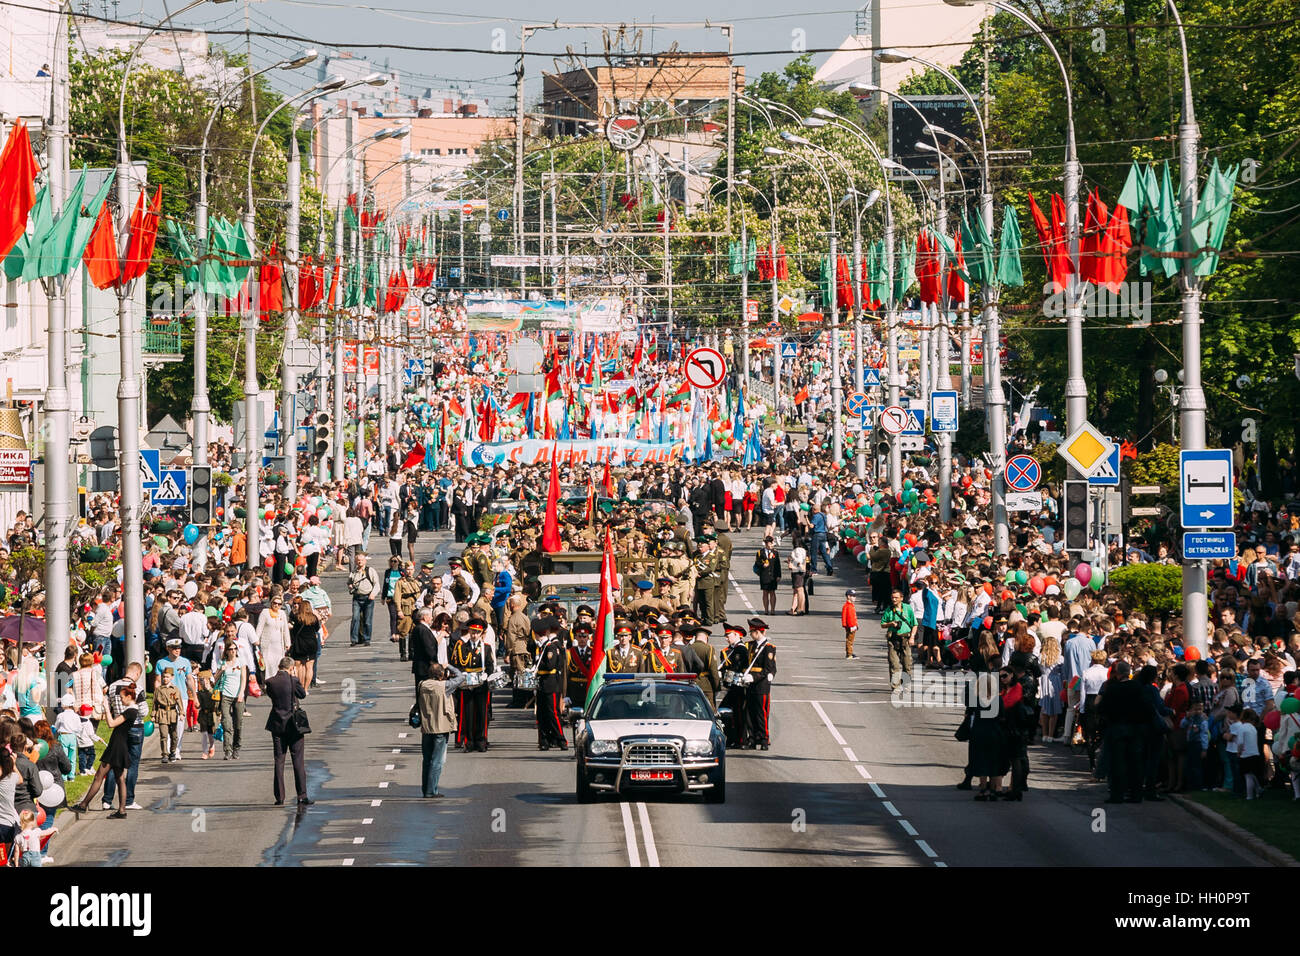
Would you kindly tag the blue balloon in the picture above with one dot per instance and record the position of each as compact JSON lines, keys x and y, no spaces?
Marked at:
{"x":191,"y":533}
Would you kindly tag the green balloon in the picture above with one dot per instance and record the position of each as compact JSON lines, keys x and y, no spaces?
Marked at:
{"x":1024,"y":611}
{"x":1022,"y":577}
{"x":803,"y":506}
{"x":1010,"y":578}
{"x":148,"y":667}
{"x":865,"y":511}
{"x":959,"y":534}
{"x":879,"y":496}
{"x":1289,"y":705}
{"x":907,"y":484}
{"x":148,"y":728}
{"x":862,"y":558}
{"x":1098,"y":580}
{"x":106,"y":660}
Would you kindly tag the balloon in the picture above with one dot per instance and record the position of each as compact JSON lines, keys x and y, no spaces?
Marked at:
{"x":42,"y":748}
{"x":988,"y":623}
{"x":1010,"y":578}
{"x":189,"y":589}
{"x":148,"y":728}
{"x":1072,"y":589}
{"x":1289,"y":705}
{"x":107,"y":660}
{"x":51,"y":796}
{"x":221,"y":512}
{"x":879,"y":496}
{"x":988,"y":588}
{"x":907,"y":484}
{"x":1037,"y":585}
{"x":1006,"y":595}
{"x":966,"y":481}
{"x":1273,"y":719}
{"x":148,"y":667}
{"x":1024,"y":611}
{"x":191,"y":533}
{"x":1083,"y":573}
{"x":862,"y":557}
{"x":40,"y":814}
{"x":911,"y":539}
{"x":1050,"y":581}
{"x":865,"y":511}
{"x":803,"y":506}
{"x":1052,"y":590}
{"x":1098,"y":580}
{"x":269,"y":562}
{"x":988,"y":474}
{"x":1022,"y":577}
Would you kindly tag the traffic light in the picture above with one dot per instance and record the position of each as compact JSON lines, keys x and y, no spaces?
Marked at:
{"x":324,"y":438}
{"x":1075,"y":508}
{"x":201,"y":495}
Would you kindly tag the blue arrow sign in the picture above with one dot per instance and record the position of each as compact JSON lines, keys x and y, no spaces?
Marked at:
{"x":1208,"y":545}
{"x":503,"y":215}
{"x":871,"y":378}
{"x":1205,"y":487}
{"x":172,"y":490}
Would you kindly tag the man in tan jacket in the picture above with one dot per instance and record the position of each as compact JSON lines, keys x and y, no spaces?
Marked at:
{"x":514,"y":643}
{"x":437,"y":721}
{"x":406,"y":596}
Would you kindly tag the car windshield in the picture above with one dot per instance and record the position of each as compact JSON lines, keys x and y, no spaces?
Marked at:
{"x":650,"y":700}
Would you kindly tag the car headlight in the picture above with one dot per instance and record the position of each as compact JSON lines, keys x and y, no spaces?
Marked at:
{"x":699,"y":748}
{"x":600,"y":747}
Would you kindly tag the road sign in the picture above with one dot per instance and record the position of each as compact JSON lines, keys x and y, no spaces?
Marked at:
{"x":870,"y":378}
{"x":467,"y":209}
{"x":1208,"y":545}
{"x":430,"y":299}
{"x":751,"y":310}
{"x":785,"y":305}
{"x":893,"y":419}
{"x":415,"y":366}
{"x":1086,"y":450}
{"x":943,"y":411}
{"x":705,"y":368}
{"x":1023,"y":473}
{"x":503,"y":215}
{"x":1024,"y":501}
{"x":857,"y":402}
{"x":915,"y":421}
{"x":789,"y":350}
{"x":453,"y":272}
{"x":150,"y":468}
{"x":1205,"y":487}
{"x":1107,"y":470}
{"x":171,"y":488}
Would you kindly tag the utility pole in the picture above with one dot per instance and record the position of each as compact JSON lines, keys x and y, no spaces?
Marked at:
{"x":58,"y":406}
{"x":253,"y":426}
{"x":744,"y":297}
{"x":859,"y":372}
{"x":288,"y":374}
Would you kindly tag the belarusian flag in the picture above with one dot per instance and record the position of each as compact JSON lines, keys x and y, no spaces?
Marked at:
{"x":681,"y":396}
{"x":604,"y":619}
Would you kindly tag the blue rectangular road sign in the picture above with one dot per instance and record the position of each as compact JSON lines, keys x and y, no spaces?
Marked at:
{"x":916,"y":421}
{"x":1205,"y":487}
{"x":1107,"y":475}
{"x":871,"y":378}
{"x":172,"y":490}
{"x":943,"y":411}
{"x":1208,"y":545}
{"x":150,"y":468}
{"x":789,"y":350}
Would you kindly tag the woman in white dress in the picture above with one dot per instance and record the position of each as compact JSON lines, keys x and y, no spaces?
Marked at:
{"x":273,"y":632}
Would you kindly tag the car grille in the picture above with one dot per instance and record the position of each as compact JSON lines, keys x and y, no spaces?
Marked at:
{"x":665,"y":754}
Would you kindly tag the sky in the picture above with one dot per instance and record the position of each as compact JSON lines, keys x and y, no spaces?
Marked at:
{"x":776,"y":30}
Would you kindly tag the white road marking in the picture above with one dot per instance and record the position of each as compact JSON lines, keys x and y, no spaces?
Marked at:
{"x":875,"y":788}
{"x":397,"y":750}
{"x":402,"y":736}
{"x":651,"y":854}
{"x":349,"y":861}
{"x":839,"y":739}
{"x":358,"y":840}
{"x":743,"y":596}
{"x":375,"y":803}
{"x":390,"y":766}
{"x":893,"y":810}
{"x":925,"y":848}
{"x":907,"y":828}
{"x":629,"y":832}
{"x":866,"y":774}
{"x":383,"y":784}
{"x":366,"y":821}
{"x":848,"y":753}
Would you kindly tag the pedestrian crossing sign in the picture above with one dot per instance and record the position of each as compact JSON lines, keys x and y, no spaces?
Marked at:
{"x":171,"y":490}
{"x":871,"y":378}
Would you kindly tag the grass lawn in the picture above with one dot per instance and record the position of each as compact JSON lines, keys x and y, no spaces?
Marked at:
{"x":1274,"y":817}
{"x":76,"y":787}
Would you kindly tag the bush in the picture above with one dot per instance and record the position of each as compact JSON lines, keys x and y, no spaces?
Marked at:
{"x":1153,"y":588}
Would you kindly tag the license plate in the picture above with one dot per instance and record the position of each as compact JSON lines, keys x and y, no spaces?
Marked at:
{"x":652,"y":775}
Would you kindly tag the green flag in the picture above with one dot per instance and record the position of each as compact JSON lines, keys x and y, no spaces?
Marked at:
{"x":904,"y":270}
{"x":45,"y":255}
{"x":977,"y":246}
{"x":352,"y":287}
{"x":1211,"y":222}
{"x":1009,"y":271}
{"x":826,"y":277}
{"x":751,"y":255}
{"x":182,"y":248}
{"x":1130,"y":197}
{"x":1164,"y":223}
{"x":877,"y":272}
{"x":733,"y":258}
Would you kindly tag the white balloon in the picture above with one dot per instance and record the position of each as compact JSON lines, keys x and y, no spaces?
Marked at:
{"x":1052,"y":590}
{"x":46,"y":778}
{"x":52,"y":795}
{"x":190,"y":589}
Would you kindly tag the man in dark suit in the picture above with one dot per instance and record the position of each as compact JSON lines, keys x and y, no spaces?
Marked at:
{"x":424,"y":647}
{"x":718,"y":488}
{"x":1127,"y":714}
{"x":283,"y":690}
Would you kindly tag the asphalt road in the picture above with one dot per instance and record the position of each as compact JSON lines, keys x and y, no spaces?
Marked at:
{"x":851,"y":778}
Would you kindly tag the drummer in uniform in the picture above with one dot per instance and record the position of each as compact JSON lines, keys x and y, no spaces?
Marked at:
{"x":623,"y":658}
{"x":733,"y":663}
{"x":758,"y":686}
{"x":579,"y":665}
{"x":471,"y":656}
{"x":551,"y":674}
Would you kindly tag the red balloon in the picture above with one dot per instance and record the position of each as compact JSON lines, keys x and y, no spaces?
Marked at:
{"x":988,"y":623}
{"x":269,"y":562}
{"x":988,"y":474}
{"x":1037,"y":585}
{"x":966,"y":481}
{"x":40,"y":810}
{"x":1050,"y":581}
{"x":1007,"y":595}
{"x":988,"y":588}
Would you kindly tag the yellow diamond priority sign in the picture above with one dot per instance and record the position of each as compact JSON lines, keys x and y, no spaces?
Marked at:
{"x":1086,"y":450}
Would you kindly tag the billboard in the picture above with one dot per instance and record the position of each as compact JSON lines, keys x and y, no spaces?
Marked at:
{"x":952,"y":113}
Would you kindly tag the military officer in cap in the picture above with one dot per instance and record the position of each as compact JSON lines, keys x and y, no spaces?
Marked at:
{"x":579,"y":665}
{"x":758,"y":687}
{"x":664,"y":658}
{"x":660,"y":604}
{"x":472,"y":656}
{"x":677,"y":567}
{"x":706,"y":580}
{"x":707,"y":679}
{"x":734,"y":663}
{"x":723,"y":548}
{"x":551,"y":674}
{"x":623,"y":658}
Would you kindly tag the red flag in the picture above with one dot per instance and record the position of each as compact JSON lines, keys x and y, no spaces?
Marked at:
{"x":607,"y":482}
{"x":416,"y":457}
{"x":1092,"y":239}
{"x":18,"y":171}
{"x":1052,"y":239}
{"x":1118,"y":240}
{"x":782,"y":266}
{"x":956,"y":285}
{"x":801,"y":395}
{"x":270,"y":285}
{"x":843,"y":284}
{"x":144,"y":230}
{"x":551,"y":529}
{"x":100,"y":256}
{"x":605,"y":611}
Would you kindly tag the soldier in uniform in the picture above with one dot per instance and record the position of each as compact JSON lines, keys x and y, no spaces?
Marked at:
{"x":551,"y":674}
{"x":735,"y":661}
{"x":669,"y":659}
{"x":623,"y":658}
{"x":706,"y":579}
{"x":406,"y":595}
{"x":579,"y":665}
{"x":707,"y":680}
{"x":758,"y":687}
{"x":723,"y":548}
{"x":473,"y":656}
{"x":678,"y":568}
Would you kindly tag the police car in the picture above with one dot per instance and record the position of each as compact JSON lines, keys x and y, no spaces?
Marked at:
{"x":650,"y":733}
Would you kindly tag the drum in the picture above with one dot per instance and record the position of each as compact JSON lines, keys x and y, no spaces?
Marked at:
{"x":474,"y":678}
{"x":526,"y":680}
{"x":733,"y":678}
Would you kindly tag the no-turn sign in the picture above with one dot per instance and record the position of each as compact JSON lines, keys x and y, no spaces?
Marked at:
{"x":705,"y":368}
{"x":893,"y":419}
